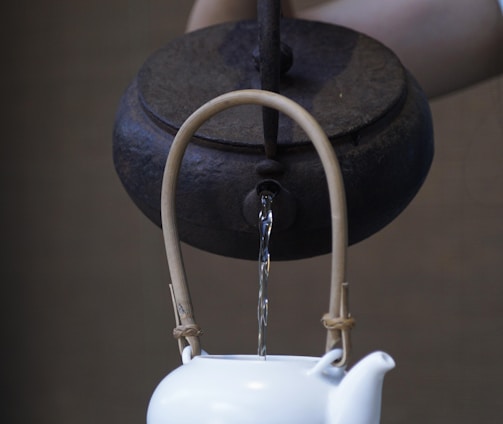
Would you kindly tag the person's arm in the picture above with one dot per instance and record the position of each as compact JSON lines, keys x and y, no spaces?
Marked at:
{"x":446,"y":44}
{"x":212,"y":12}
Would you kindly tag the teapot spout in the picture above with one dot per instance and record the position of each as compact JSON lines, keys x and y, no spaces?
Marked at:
{"x":357,"y":399}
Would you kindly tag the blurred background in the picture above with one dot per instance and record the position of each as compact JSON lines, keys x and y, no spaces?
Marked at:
{"x":85,"y":309}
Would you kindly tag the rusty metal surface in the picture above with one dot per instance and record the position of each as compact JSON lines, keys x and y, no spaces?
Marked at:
{"x":373,"y":111}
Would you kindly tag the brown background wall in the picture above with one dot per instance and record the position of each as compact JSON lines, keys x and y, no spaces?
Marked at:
{"x":86,"y":315}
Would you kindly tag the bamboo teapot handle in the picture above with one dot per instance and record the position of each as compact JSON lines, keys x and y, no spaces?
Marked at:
{"x":337,"y":321}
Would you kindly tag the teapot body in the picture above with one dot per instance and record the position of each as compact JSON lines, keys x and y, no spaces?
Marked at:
{"x":243,"y":389}
{"x":248,"y":389}
{"x":373,"y":111}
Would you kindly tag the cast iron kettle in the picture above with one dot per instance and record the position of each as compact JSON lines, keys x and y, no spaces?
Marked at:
{"x":373,"y":111}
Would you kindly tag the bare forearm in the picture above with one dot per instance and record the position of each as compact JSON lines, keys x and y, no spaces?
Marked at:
{"x":447,"y":45}
{"x":211,"y":12}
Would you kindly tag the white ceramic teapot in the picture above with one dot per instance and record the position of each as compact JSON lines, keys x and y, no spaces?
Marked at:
{"x":246,"y":389}
{"x":241,"y":389}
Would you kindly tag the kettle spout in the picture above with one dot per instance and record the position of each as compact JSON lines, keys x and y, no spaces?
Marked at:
{"x":357,"y":399}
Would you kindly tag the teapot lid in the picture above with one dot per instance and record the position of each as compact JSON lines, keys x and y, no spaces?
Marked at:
{"x":347,"y":80}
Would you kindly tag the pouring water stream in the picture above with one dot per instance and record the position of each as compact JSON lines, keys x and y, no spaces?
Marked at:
{"x":265,"y":227}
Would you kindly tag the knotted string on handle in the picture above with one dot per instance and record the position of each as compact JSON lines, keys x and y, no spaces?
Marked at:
{"x":337,"y":321}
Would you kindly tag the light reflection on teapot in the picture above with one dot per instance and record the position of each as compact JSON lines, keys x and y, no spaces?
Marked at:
{"x":245,"y":389}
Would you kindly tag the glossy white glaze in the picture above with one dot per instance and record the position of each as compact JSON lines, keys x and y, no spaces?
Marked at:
{"x":244,"y":389}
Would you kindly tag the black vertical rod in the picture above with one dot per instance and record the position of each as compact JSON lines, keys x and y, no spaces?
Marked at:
{"x":268,"y":15}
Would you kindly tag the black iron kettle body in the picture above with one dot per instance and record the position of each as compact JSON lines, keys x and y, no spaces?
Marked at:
{"x":370,"y":106}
